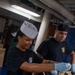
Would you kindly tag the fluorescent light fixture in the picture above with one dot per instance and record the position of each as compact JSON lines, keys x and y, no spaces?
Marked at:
{"x":25,"y":10}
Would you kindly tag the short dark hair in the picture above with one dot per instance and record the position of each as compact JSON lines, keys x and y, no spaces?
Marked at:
{"x":19,"y":33}
{"x":62,"y":27}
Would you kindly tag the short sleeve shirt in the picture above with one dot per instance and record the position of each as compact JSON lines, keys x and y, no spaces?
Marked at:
{"x":53,"y":50}
{"x":15,"y":58}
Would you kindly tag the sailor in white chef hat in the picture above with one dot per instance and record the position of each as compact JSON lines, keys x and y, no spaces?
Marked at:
{"x":26,"y":34}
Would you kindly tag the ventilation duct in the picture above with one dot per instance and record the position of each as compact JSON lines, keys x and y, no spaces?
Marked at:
{"x":59,"y":8}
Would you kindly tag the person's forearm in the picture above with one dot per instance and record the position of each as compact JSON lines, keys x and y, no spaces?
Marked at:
{"x":38,"y":67}
{"x":41,"y":68}
{"x":73,"y":62}
{"x":73,"y":57}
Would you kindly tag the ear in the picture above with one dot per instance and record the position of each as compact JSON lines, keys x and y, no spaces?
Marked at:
{"x":19,"y":37}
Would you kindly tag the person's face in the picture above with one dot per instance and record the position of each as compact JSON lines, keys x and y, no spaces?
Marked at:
{"x":60,"y":36}
{"x":24,"y":42}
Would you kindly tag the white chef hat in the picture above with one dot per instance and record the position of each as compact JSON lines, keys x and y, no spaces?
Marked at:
{"x":29,"y":29}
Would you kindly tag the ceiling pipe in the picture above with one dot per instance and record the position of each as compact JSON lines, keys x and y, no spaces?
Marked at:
{"x":59,"y":8}
{"x":67,"y":2}
{"x":40,"y":4}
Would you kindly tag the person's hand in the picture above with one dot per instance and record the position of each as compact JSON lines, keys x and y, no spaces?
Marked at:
{"x":54,"y":72}
{"x":62,"y":67}
{"x":73,"y":68}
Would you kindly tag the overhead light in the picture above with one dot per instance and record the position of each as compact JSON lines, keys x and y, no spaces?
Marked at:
{"x":25,"y":10}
